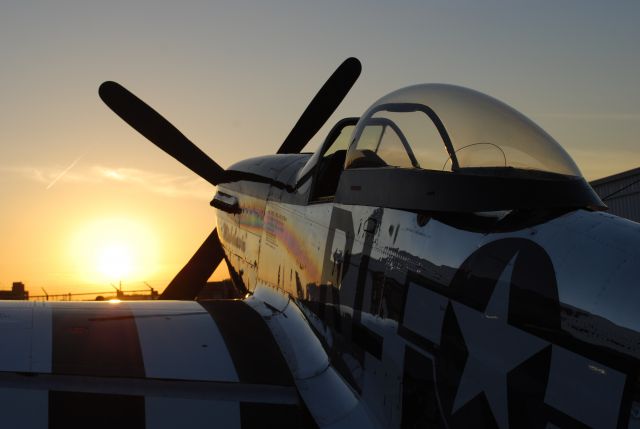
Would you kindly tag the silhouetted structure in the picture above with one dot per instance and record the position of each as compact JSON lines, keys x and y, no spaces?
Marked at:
{"x":130,"y":295}
{"x":17,"y":292}
{"x":621,"y":192}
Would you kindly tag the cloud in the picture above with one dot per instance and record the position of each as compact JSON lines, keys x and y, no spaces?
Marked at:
{"x":64,"y":172}
{"x":158,"y":183}
{"x":47,"y":176}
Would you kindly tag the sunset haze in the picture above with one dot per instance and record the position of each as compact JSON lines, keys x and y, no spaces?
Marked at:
{"x":78,"y":185}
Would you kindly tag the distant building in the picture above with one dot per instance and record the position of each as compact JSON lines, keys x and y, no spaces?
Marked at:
{"x":621,"y":192}
{"x":17,"y":292}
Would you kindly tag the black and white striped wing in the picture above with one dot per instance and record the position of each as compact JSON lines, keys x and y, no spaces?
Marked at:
{"x":143,"y":365}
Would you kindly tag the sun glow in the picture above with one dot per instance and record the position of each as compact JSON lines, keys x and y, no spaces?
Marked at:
{"x":115,"y":249}
{"x":116,"y":260}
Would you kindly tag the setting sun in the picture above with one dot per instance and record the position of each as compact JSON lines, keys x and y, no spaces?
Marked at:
{"x":114,"y":249}
{"x":116,"y":260}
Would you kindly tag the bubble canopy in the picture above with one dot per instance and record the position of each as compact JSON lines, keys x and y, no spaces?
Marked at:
{"x":437,"y":148}
{"x":451,"y":128}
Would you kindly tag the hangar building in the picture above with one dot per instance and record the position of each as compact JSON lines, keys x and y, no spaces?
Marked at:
{"x":621,"y":192}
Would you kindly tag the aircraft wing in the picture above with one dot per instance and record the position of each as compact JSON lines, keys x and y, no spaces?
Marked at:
{"x":157,"y":364}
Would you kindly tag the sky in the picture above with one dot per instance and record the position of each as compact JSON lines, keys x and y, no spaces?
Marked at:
{"x":77,"y":184}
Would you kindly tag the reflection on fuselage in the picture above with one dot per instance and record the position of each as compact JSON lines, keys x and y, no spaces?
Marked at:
{"x":386,"y":293}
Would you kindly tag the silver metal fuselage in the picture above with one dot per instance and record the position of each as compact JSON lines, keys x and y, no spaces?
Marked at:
{"x":391,"y":294}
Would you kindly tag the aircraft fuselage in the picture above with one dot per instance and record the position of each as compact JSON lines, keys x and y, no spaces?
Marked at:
{"x":491,"y":319}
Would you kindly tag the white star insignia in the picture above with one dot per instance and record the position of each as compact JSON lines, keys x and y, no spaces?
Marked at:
{"x":494,"y":348}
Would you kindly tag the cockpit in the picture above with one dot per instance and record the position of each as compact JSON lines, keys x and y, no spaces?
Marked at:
{"x":451,"y":128}
{"x":436,"y":147}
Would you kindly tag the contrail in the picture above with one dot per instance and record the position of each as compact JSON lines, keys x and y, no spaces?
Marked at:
{"x":65,"y":171}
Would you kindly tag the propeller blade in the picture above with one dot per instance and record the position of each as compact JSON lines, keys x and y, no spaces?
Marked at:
{"x":322,"y":106}
{"x":193,"y":277}
{"x":159,"y":131}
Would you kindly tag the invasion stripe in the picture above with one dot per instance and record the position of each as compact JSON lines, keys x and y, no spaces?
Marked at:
{"x":255,"y":354}
{"x":163,"y":413}
{"x":25,"y":330}
{"x":95,"y":410}
{"x":179,"y":340}
{"x":99,"y":339}
{"x":258,"y":416}
{"x":95,"y":339}
{"x":23,"y":408}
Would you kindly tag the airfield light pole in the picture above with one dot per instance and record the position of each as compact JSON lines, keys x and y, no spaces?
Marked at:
{"x":154,"y":294}
{"x":118,"y":290}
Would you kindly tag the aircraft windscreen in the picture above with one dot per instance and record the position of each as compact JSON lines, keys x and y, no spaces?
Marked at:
{"x":446,"y":127}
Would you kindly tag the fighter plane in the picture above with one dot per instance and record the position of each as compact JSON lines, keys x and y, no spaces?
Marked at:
{"x":438,"y":262}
